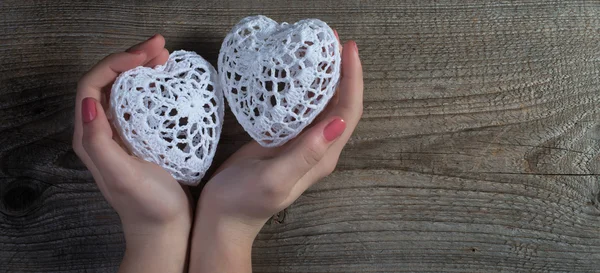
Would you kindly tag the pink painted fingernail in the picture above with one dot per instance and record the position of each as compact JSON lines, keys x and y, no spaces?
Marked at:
{"x":136,"y":51}
{"x":334,"y":129}
{"x":88,"y":110}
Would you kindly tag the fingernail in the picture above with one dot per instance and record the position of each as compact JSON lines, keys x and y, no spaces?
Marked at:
{"x":152,"y":37}
{"x":336,"y":34}
{"x":355,"y":46}
{"x":334,"y":129}
{"x":137,"y":51}
{"x":88,"y":110}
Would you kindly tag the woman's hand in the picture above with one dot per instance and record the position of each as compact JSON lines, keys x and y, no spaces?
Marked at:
{"x":256,"y":182}
{"x":155,"y":210}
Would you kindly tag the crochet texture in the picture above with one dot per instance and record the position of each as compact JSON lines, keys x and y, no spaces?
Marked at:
{"x":171,"y":115}
{"x":278,"y":77}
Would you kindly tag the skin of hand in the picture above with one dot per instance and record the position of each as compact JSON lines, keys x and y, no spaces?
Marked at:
{"x":257,"y":182}
{"x":155,"y":210}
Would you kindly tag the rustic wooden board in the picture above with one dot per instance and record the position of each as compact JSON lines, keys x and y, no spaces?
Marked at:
{"x":479,"y":149}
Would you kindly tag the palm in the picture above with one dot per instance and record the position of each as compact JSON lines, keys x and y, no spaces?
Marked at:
{"x":236,"y":184}
{"x":245,"y":183}
{"x":156,"y":193}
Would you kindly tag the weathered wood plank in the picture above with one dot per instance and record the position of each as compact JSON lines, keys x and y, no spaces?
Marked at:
{"x":479,"y":148}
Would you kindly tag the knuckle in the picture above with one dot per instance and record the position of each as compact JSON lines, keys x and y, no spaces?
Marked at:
{"x":312,"y":153}
{"x":347,"y":110}
{"x":89,"y":141}
{"x":274,"y":192}
{"x":273,"y":186}
{"x":267,"y":175}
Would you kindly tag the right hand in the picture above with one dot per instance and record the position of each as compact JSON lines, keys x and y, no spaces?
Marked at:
{"x":155,"y":210}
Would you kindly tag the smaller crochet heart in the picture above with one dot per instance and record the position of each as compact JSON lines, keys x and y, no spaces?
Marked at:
{"x":278,"y":77}
{"x":171,"y":114}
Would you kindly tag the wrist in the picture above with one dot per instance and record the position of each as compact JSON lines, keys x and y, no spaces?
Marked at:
{"x":139,"y":235}
{"x":221,"y":243}
{"x":136,"y":230}
{"x":214,"y":209}
{"x":227,"y":229}
{"x":152,"y":249}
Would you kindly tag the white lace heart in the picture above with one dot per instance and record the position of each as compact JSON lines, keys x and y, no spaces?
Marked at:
{"x":278,"y":77}
{"x":171,"y":115}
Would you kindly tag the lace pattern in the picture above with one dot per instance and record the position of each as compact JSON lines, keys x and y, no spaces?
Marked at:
{"x":278,"y":77}
{"x":171,"y":115}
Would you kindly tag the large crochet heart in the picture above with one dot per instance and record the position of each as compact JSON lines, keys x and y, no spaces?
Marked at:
{"x":278,"y":77}
{"x":171,"y":115}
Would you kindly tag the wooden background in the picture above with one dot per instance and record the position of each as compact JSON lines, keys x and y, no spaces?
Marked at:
{"x":478,"y":151}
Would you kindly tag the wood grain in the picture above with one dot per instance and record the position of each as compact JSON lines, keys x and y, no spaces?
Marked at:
{"x":479,"y":148}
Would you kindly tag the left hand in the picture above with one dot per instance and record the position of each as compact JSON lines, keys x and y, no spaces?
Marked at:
{"x":257,"y":182}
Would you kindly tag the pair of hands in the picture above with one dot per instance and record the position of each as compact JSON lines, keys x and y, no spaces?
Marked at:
{"x":157,"y":212}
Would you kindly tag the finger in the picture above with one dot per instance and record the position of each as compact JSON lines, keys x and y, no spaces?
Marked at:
{"x":349,"y":107}
{"x":338,"y":39}
{"x":153,"y":47}
{"x":341,"y":48}
{"x":350,"y":100}
{"x":334,"y":99}
{"x":160,"y":59}
{"x":336,"y":95}
{"x":107,"y":70}
{"x":331,"y":105}
{"x":113,"y":162}
{"x":154,"y":50}
{"x":350,"y":93}
{"x":326,"y":113}
{"x":87,"y":161}
{"x":307,"y":150}
{"x":91,"y":85}
{"x":351,"y":85}
{"x":101,"y":75}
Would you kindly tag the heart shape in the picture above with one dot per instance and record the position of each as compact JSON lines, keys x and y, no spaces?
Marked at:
{"x":171,"y":114}
{"x":278,"y":77}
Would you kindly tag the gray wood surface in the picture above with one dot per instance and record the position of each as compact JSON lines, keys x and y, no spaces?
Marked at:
{"x":479,"y":149}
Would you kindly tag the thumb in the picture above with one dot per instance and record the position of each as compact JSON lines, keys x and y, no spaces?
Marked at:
{"x":308,"y":150}
{"x":110,"y":159}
